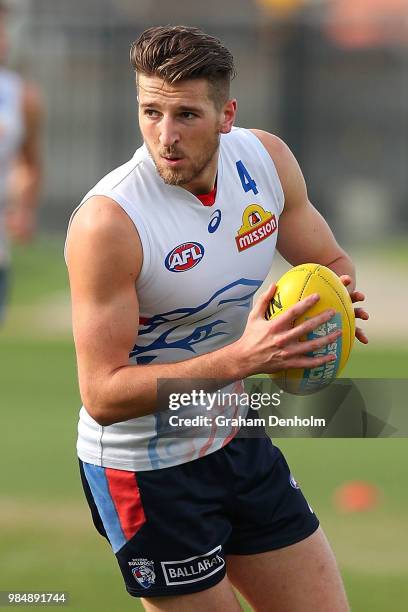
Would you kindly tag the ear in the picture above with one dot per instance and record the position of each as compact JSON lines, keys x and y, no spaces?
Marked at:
{"x":228,"y":116}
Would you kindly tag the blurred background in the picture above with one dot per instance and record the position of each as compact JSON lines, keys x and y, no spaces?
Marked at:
{"x":330,"y":77}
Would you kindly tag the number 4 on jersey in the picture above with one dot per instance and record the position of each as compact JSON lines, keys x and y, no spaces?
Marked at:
{"x":247,"y":182}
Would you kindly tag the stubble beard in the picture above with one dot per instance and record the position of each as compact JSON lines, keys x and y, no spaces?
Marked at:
{"x":179,"y":176}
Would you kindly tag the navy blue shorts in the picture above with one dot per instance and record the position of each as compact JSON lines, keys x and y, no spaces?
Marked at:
{"x":172,"y":528}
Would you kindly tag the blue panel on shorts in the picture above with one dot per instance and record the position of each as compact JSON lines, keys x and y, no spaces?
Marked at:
{"x":98,"y":484}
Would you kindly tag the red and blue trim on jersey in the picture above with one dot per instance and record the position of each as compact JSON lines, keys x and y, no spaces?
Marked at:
{"x":117,"y":497}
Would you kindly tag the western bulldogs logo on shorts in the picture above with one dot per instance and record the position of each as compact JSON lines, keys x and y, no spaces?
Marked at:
{"x":143,"y":572}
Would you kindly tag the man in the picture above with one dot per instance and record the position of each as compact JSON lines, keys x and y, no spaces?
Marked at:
{"x":162,"y":289}
{"x":20,"y":165}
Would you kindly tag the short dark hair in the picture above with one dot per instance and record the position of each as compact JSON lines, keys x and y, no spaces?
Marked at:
{"x":178,"y":53}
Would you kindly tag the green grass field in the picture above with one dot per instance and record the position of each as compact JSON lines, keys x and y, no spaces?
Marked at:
{"x":47,"y":541}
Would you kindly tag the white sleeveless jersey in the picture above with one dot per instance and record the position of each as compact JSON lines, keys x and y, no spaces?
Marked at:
{"x":11,"y":134}
{"x":201,"y":268}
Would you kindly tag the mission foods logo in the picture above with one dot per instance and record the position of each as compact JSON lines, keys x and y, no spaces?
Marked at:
{"x":257,"y":224}
{"x":184,"y":257}
{"x":193,"y":569}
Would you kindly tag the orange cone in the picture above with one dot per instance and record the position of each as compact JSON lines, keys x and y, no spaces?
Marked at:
{"x":356,"y":496}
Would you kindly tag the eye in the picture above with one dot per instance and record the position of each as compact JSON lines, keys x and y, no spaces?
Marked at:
{"x":150,"y":112}
{"x":188,"y":115}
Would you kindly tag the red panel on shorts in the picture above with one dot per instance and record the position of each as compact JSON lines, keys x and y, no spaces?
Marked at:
{"x":126,"y":498}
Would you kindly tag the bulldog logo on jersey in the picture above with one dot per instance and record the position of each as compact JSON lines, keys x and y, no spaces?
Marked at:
{"x":257,"y":224}
{"x":184,"y":257}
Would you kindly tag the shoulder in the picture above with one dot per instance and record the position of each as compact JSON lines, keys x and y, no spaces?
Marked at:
{"x":100,"y":214}
{"x":101,"y":228}
{"x":287,"y":167}
{"x":100,"y":217}
{"x":279,"y":151}
{"x":272,"y":143}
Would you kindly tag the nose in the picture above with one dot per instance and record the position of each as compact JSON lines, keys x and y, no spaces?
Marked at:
{"x":169,"y":134}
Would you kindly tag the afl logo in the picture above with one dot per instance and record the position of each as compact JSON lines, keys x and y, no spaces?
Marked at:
{"x":184,"y":257}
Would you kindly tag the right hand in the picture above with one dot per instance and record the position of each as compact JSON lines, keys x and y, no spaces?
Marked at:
{"x":270,"y":346}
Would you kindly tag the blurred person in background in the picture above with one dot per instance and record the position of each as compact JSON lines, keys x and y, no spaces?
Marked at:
{"x":189,"y":517}
{"x":20,"y":163}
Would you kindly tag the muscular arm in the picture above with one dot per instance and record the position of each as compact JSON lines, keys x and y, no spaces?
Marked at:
{"x":304,"y":235}
{"x":27,"y":172}
{"x":104,"y":257}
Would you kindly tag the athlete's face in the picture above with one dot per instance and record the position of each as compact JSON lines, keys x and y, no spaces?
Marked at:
{"x":181,"y":127}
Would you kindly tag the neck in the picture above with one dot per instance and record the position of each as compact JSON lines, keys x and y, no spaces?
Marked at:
{"x":205,"y":181}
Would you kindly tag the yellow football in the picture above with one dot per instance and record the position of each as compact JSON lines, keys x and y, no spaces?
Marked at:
{"x":296,"y":284}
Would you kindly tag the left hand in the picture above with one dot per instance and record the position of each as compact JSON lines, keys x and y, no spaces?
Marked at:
{"x":360,"y":313}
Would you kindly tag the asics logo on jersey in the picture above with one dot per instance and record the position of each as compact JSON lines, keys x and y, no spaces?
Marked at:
{"x":214,"y":221}
{"x":184,"y":257}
